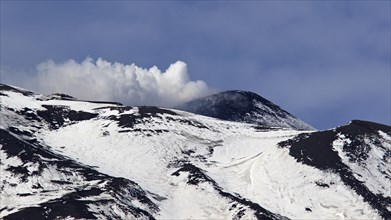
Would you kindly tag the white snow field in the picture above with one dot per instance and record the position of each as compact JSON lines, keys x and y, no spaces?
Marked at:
{"x":189,"y":166}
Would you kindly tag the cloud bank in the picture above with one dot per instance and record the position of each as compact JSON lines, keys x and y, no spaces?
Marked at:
{"x":129,"y":84}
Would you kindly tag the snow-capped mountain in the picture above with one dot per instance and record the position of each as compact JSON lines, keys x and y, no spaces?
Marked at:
{"x":65,"y":158}
{"x":247,"y":107}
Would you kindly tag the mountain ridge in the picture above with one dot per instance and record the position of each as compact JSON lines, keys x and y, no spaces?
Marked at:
{"x":77,"y":159}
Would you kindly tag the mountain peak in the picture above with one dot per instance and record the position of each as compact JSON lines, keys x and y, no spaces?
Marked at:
{"x":244,"y":106}
{"x":75,"y":159}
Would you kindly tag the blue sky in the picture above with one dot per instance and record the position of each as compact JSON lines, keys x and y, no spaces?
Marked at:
{"x":327,"y":62}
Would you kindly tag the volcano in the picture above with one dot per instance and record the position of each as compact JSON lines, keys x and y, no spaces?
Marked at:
{"x":233,"y":155}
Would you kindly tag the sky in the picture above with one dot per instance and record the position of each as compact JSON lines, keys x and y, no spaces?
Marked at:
{"x":326,"y":62}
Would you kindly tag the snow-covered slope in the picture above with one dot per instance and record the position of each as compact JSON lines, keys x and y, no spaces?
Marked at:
{"x":64,"y":158}
{"x":242,"y":106}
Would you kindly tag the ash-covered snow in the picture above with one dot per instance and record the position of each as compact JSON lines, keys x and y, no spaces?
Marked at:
{"x":144,"y":162}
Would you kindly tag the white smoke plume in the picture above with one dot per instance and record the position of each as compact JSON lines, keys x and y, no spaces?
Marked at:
{"x":129,"y":84}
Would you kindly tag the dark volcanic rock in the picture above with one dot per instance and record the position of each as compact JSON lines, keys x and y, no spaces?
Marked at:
{"x":241,"y":106}
{"x":55,"y":115}
{"x":73,"y":204}
{"x":4,"y":87}
{"x":144,"y":113}
{"x":316,"y":149}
